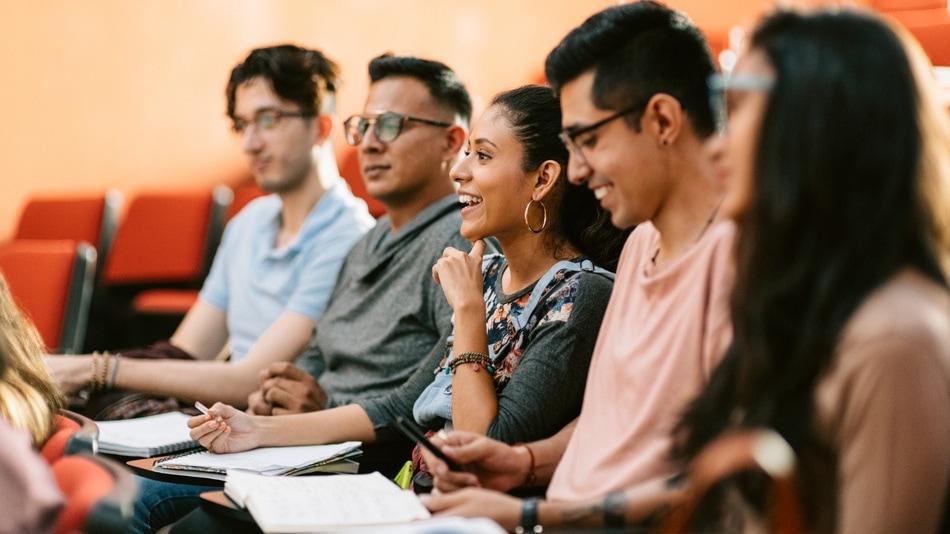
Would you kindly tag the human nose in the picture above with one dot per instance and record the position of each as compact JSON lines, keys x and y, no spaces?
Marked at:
{"x":578,"y":170}
{"x":369,"y":141}
{"x":460,"y":171}
{"x":251,"y":139}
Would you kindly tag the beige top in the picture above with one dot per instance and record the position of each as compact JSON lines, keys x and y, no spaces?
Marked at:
{"x":883,"y":412}
{"x":30,"y":498}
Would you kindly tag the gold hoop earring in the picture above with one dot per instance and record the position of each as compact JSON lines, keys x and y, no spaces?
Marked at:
{"x":544,"y":220}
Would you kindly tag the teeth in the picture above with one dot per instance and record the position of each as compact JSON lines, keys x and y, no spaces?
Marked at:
{"x":469,"y":199}
{"x":601,"y":191}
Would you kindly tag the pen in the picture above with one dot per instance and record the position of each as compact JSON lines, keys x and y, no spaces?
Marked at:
{"x":201,"y":407}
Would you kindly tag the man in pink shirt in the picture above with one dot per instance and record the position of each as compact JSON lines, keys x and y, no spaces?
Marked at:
{"x":632,"y":82}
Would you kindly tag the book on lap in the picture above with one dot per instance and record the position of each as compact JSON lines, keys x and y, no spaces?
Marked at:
{"x":323,"y":504}
{"x":268,"y":461}
{"x":146,"y":436}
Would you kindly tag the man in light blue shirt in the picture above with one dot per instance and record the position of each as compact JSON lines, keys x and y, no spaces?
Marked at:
{"x":280,"y":256}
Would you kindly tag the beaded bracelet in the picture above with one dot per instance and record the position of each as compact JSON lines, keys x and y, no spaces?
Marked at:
{"x":477,"y":359}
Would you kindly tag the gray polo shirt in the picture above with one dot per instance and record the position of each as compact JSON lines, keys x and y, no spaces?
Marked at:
{"x":386,"y":316}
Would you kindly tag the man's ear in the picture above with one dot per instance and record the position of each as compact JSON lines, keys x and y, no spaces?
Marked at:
{"x":663,"y":118}
{"x":324,"y":127}
{"x":546,"y":179}
{"x":454,"y":140}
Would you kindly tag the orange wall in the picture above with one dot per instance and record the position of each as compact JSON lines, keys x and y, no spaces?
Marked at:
{"x":112,"y":93}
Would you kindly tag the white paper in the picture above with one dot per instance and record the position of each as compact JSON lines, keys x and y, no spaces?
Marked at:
{"x":323,"y":503}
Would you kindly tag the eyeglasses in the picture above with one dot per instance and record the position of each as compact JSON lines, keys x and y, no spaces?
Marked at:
{"x":386,"y":126}
{"x":720,"y":84}
{"x":570,"y":135}
{"x":267,"y":119}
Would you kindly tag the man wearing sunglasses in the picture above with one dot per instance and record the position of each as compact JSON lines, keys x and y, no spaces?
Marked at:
{"x":636,"y":116}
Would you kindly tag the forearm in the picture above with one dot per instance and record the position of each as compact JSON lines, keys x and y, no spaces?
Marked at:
{"x":640,"y":505}
{"x":474,"y":402}
{"x":205,"y":381}
{"x":344,"y":423}
{"x":547,"y":454}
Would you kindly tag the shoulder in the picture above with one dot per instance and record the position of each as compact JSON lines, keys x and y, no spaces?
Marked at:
{"x":901,"y":330}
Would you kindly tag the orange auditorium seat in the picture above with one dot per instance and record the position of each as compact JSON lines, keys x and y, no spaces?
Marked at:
{"x":89,"y":218}
{"x":347,"y":160}
{"x":74,"y":433}
{"x":51,"y":280}
{"x":99,"y":495}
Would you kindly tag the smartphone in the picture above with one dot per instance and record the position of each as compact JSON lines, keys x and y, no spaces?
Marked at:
{"x":412,"y":433}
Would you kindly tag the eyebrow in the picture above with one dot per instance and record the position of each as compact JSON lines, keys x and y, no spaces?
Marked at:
{"x":483,"y":140}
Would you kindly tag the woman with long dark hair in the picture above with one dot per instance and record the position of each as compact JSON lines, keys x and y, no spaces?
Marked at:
{"x":838,"y":166}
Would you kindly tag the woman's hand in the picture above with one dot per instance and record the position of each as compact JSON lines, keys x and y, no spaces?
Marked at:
{"x":225,"y":429}
{"x":460,"y":275}
{"x":476,"y":502}
{"x":72,"y":373}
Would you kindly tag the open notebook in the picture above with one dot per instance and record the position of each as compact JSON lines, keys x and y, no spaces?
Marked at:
{"x":146,"y":436}
{"x":323,"y":504}
{"x":268,"y":461}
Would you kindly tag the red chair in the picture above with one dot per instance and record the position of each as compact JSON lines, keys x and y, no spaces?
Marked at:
{"x":89,"y":218}
{"x":52,"y":281}
{"x":166,"y":242}
{"x":167,"y":238}
{"x":99,"y":493}
{"x":927,"y":20}
{"x":74,"y":434}
{"x":348,"y":162}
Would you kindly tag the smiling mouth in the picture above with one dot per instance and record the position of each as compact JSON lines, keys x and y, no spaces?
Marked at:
{"x":469,"y":200}
{"x":601,"y":191}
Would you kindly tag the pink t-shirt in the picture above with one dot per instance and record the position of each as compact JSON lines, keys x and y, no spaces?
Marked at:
{"x":665,"y":330}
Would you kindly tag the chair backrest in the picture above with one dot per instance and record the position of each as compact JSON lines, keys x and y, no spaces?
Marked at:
{"x":736,"y":451}
{"x":52,"y":282}
{"x":99,"y":492}
{"x":167,"y":237}
{"x":244,"y":192}
{"x":348,"y":162}
{"x":89,"y":218}
{"x":74,"y":433}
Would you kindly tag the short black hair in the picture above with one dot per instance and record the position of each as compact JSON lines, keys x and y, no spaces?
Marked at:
{"x":300,"y":75}
{"x":636,"y":51}
{"x":444,"y":85}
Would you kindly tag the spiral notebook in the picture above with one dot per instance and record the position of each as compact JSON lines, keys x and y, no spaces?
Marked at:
{"x":146,"y":436}
{"x":270,"y":461}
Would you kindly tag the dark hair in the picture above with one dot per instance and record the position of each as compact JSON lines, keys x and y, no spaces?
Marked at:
{"x":837,"y":210}
{"x":638,"y":50}
{"x":299,"y":75}
{"x":534,"y":113}
{"x":444,"y":85}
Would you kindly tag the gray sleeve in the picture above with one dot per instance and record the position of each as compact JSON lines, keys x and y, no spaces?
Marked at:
{"x":546,"y":390}
{"x":382,"y":410}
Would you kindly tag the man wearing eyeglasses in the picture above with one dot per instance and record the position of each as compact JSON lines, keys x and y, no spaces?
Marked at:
{"x":273,"y":273}
{"x":636,"y":115}
{"x":386,"y":325}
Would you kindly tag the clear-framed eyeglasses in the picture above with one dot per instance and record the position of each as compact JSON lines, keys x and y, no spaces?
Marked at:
{"x":386,"y":126}
{"x":719,"y":86}
{"x":267,"y":119}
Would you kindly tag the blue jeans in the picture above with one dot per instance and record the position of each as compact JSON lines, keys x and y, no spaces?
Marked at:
{"x":163,"y":503}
